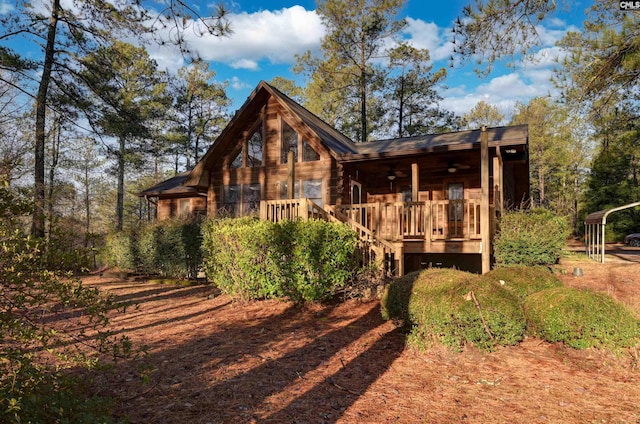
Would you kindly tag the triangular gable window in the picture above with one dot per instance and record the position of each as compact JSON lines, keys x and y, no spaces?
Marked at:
{"x":254,"y":145}
{"x":308,"y":153}
{"x":237,"y":161}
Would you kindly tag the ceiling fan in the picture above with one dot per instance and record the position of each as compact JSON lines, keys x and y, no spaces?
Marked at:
{"x":392,"y":174}
{"x":455,"y":166}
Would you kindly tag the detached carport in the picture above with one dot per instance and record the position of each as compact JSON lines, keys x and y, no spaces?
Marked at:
{"x":594,"y":231}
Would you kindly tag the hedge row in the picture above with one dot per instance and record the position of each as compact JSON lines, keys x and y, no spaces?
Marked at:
{"x":169,"y":248}
{"x":502,"y":307}
{"x":530,"y":237}
{"x":301,"y":261}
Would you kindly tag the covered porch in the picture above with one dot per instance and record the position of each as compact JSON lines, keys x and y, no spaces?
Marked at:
{"x":393,"y":229}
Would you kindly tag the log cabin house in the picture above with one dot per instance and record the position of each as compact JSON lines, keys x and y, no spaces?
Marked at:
{"x":418,"y":201}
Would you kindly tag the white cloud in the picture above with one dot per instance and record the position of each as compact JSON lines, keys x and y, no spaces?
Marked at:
{"x":6,"y":8}
{"x":249,"y":64}
{"x":276,"y":36}
{"x":549,"y":37}
{"x":238,"y":84}
{"x":503,"y":91}
{"x":427,"y":35}
{"x":544,"y":58}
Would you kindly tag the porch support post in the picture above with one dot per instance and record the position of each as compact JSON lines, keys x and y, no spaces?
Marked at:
{"x":484,"y":201}
{"x":291,"y":175}
{"x":415,"y":181}
{"x":498,"y":181}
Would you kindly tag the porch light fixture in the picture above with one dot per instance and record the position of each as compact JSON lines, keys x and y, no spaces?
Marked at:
{"x":452,"y":169}
{"x":510,"y":151}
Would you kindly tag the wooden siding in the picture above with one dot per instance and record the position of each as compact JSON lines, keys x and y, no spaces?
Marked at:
{"x":173,"y":207}
{"x":273,"y":173}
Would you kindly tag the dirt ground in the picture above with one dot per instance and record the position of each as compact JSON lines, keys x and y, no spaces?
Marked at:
{"x":212,"y":360}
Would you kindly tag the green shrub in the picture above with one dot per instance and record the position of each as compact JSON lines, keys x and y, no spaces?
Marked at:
{"x":37,"y":346}
{"x":300,"y":260}
{"x":241,"y":257}
{"x":530,"y":237}
{"x":457,"y":308}
{"x":65,"y":251}
{"x":170,"y":248}
{"x":323,"y":258}
{"x":580,"y":319}
{"x":394,"y":303}
{"x":523,"y":280}
{"x":119,"y":250}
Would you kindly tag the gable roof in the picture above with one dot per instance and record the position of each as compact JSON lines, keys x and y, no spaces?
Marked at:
{"x":342,"y":147}
{"x":334,"y":140}
{"x":171,"y":186}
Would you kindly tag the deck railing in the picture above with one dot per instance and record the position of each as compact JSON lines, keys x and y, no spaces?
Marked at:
{"x":438,"y":219}
{"x":291,"y":209}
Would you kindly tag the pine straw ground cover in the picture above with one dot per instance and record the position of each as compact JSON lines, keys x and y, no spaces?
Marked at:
{"x":211,"y":360}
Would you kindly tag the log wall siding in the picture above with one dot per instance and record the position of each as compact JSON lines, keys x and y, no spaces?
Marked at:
{"x":273,"y":173}
{"x":170,"y":208}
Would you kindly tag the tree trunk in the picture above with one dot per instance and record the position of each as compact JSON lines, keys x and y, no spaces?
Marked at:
{"x":55,"y":157}
{"x":120,"y":201}
{"x":38,"y":222}
{"x":401,"y":111}
{"x":87,"y":207}
{"x":363,"y":82}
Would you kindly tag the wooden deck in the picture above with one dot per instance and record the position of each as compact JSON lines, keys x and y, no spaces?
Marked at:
{"x":390,"y":230}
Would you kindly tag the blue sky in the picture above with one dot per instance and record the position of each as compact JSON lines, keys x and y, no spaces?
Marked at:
{"x":268,"y":34}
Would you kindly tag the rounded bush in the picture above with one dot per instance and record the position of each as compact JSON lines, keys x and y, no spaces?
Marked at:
{"x":523,"y":280}
{"x":530,"y":237}
{"x":394,"y":304}
{"x":580,"y":319}
{"x":458,"y":308}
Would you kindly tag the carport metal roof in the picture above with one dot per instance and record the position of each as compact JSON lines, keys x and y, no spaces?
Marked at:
{"x":594,"y":236}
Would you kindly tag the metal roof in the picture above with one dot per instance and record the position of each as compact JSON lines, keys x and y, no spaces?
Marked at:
{"x":460,"y":140}
{"x":600,"y":217}
{"x":172,"y":185}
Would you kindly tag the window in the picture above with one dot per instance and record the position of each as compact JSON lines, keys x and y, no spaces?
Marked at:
{"x":250,"y":198}
{"x":308,"y":153}
{"x":241,"y":200}
{"x":455,"y":192}
{"x":283,"y":190}
{"x":237,"y":161}
{"x":289,"y":142}
{"x":312,"y":190}
{"x":184,"y":207}
{"x":356,"y":193}
{"x":254,"y":146}
{"x":406,"y":194}
{"x":231,"y":199}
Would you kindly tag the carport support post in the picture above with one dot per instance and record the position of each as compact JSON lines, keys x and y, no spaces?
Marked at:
{"x":484,"y":201}
{"x":603,"y":245}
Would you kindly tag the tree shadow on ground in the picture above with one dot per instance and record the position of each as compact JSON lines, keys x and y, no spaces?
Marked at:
{"x":263,"y":361}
